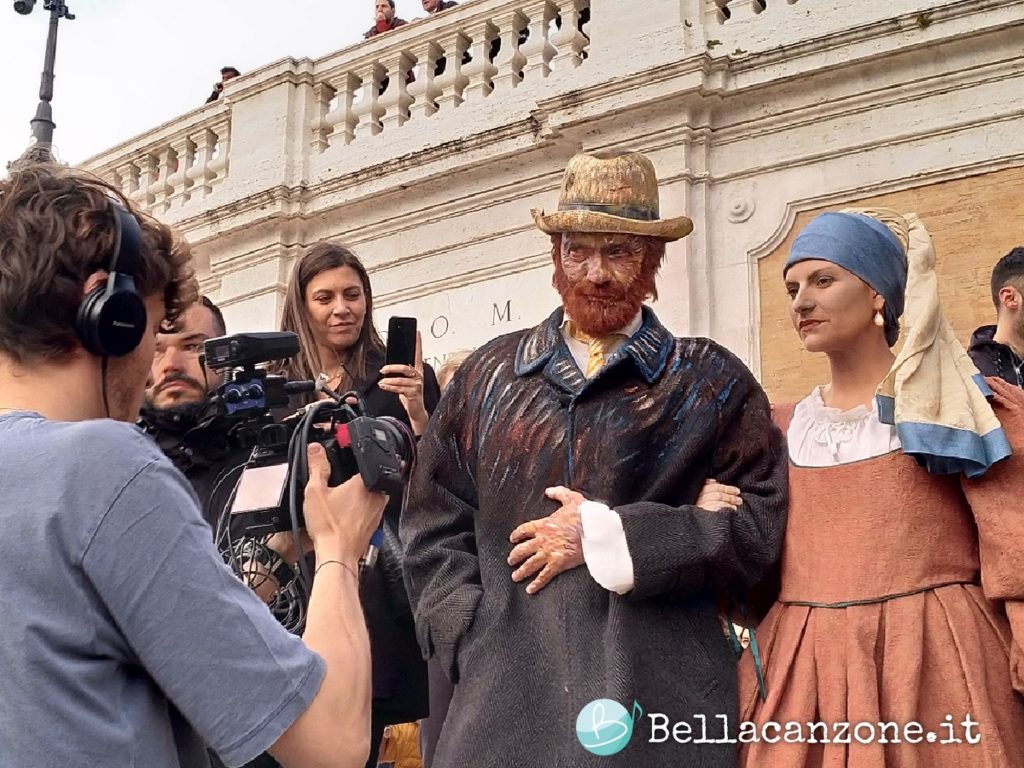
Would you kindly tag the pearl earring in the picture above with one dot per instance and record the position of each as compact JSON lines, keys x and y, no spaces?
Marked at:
{"x":879,"y":320}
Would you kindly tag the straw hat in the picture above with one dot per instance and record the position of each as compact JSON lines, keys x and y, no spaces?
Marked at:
{"x":611,"y":192}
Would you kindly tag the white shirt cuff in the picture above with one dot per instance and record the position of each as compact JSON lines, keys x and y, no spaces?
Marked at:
{"x":605,"y":550}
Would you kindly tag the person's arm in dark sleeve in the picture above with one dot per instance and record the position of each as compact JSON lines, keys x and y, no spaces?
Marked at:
{"x":682,"y":549}
{"x":431,"y":389}
{"x":442,"y":571}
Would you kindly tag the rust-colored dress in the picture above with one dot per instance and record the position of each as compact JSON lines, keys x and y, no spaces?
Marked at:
{"x":900,"y":603}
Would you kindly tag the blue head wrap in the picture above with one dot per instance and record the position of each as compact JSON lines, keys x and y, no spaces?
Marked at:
{"x":864,"y":247}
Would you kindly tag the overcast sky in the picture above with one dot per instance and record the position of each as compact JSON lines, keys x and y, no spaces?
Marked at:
{"x":125,"y":66}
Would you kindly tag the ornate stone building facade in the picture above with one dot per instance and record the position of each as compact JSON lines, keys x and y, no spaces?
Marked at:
{"x":757,"y":114}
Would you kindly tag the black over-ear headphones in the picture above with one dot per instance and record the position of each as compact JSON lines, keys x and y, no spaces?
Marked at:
{"x":112,"y":317}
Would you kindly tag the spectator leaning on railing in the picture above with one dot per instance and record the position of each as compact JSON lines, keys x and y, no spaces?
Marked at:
{"x":436,"y":6}
{"x":226,"y":73}
{"x":386,"y":19}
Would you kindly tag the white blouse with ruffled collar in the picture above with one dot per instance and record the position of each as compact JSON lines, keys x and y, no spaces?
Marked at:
{"x":820,"y":436}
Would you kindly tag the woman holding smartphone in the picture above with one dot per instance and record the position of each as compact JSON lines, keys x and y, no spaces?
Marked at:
{"x":329,"y":305}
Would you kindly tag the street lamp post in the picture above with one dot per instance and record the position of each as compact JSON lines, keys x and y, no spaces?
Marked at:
{"x":42,"y":123}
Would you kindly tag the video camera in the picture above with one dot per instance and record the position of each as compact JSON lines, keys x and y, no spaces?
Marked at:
{"x":268,"y":496}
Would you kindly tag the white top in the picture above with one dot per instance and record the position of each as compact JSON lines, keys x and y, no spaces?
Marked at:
{"x":820,"y":436}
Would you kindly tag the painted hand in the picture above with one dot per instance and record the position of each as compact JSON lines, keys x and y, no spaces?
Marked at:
{"x":715,"y":497}
{"x":550,"y":545}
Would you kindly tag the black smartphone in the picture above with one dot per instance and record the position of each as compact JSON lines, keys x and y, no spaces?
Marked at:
{"x":401,"y":349}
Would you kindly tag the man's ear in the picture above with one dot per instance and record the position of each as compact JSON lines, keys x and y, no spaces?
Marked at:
{"x":1009,"y":298}
{"x":94,"y":280}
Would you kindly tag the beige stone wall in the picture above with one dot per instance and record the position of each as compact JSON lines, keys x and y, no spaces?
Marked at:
{"x":973,"y":221}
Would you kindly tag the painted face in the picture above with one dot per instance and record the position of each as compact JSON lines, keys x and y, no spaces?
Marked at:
{"x":603,"y":279}
{"x":831,"y":309}
{"x":336,"y":306}
{"x":177,"y":376}
{"x":127,"y":376}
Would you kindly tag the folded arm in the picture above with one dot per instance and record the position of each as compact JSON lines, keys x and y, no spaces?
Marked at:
{"x":682,"y":549}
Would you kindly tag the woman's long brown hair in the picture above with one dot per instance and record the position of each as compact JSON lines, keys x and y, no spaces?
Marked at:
{"x":307,"y":364}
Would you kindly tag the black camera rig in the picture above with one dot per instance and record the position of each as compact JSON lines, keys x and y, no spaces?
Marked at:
{"x":381,"y":450}
{"x":268,"y":496}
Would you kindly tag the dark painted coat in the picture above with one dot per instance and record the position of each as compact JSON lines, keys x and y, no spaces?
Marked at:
{"x":642,"y":436}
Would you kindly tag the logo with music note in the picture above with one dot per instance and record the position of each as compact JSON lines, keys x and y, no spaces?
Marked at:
{"x":604,"y":727}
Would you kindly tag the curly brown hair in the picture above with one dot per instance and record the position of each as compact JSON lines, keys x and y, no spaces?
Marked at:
{"x":56,"y":229}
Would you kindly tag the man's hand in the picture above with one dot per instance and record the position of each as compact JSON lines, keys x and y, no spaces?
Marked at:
{"x":716,"y":497}
{"x":551,"y":544}
{"x":340,"y":520}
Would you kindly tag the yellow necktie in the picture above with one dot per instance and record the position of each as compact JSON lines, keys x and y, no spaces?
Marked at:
{"x":598,"y":347}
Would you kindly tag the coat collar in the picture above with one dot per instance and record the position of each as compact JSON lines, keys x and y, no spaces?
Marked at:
{"x":544,"y":348}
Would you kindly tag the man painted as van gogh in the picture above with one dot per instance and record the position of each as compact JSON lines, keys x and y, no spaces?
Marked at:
{"x":554,"y":554}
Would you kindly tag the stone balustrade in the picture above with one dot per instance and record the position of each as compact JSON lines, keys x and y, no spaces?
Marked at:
{"x":478,"y":51}
{"x":175,"y":165}
{"x":425,"y":147}
{"x":741,"y":27}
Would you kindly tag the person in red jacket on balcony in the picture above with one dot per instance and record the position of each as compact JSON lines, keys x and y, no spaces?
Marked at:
{"x":386,"y":20}
{"x":436,"y":6}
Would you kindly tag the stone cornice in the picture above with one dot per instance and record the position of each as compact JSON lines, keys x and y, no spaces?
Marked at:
{"x":844,"y":195}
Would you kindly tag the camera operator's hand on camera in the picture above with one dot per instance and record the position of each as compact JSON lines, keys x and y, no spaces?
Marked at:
{"x":407,"y":382}
{"x":340,"y":520}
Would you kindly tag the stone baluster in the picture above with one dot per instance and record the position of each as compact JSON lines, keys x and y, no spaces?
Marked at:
{"x":320,"y":127}
{"x":424,"y":90}
{"x":510,"y":60}
{"x":167,"y":165}
{"x":480,"y":71}
{"x":738,"y":10}
{"x":538,"y":49}
{"x":128,"y":173}
{"x":144,"y":193}
{"x":219,"y":165}
{"x":569,"y":40}
{"x":343,"y":118}
{"x":368,"y":111}
{"x":395,"y":101}
{"x":200,"y":173}
{"x":180,"y":184}
{"x":453,"y":82}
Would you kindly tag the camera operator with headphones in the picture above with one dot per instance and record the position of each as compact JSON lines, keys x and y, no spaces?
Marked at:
{"x":125,"y":631}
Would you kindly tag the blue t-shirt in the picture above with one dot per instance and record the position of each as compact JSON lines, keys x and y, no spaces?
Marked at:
{"x":125,"y":640}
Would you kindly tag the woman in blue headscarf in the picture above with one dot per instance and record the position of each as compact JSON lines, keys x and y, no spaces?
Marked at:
{"x":901,"y":579}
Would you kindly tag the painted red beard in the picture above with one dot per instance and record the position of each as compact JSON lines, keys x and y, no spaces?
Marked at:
{"x":597,"y":310}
